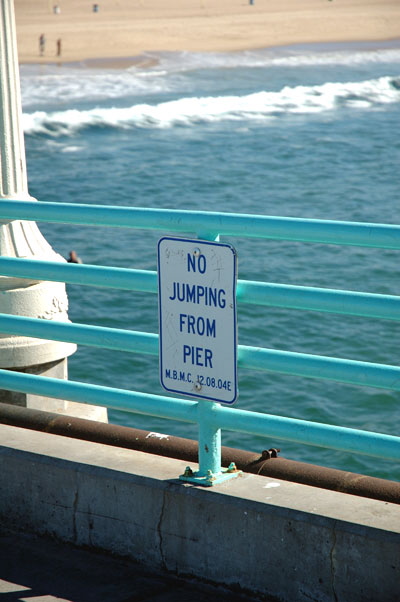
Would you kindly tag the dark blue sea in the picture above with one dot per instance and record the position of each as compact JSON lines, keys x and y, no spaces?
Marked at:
{"x":304,"y":131}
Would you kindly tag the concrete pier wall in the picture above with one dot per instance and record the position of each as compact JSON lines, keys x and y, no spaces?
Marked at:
{"x":275,"y":538}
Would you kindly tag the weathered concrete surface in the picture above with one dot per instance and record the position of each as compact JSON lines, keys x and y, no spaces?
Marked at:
{"x":273,"y":537}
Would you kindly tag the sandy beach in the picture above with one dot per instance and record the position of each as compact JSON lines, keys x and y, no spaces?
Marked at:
{"x":74,"y":30}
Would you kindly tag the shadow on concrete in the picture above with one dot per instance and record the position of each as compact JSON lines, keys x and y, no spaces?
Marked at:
{"x":33,"y":568}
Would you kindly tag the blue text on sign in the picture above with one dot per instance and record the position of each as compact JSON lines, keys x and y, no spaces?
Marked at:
{"x":197,"y":325}
{"x":200,"y":260}
{"x":198,"y":356}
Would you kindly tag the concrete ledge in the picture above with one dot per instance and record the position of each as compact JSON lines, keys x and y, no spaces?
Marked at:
{"x":275,"y":538}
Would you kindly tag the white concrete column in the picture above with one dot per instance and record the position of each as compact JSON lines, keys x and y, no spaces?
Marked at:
{"x":46,"y":300}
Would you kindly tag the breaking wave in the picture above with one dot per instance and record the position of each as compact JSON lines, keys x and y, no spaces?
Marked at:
{"x":188,"y":111}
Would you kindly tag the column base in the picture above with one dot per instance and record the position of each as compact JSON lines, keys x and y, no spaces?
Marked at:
{"x":56,"y":369}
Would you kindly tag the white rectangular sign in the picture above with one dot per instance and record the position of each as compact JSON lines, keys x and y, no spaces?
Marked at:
{"x":197,"y":310}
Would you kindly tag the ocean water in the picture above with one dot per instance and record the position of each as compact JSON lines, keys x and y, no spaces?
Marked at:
{"x":304,"y":131}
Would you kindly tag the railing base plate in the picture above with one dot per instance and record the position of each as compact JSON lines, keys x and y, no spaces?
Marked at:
{"x":211,"y":478}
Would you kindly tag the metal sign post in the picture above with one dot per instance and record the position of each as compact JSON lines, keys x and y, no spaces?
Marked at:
{"x":198,"y":337}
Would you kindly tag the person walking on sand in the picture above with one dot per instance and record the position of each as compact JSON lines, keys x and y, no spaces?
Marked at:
{"x":59,"y":47}
{"x":42,"y":44}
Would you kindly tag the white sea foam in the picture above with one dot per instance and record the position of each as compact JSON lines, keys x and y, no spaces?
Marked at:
{"x":167,"y":72}
{"x":71,"y":149}
{"x":90,"y":85}
{"x":191,"y":110}
{"x":344,"y":58}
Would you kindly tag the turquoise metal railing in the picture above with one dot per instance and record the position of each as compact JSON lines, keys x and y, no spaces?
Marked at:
{"x":353,"y":372}
{"x":208,"y":224}
{"x":211,"y":417}
{"x":209,"y":414}
{"x":258,"y":293}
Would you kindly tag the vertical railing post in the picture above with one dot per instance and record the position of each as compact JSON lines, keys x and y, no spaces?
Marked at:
{"x":209,"y":434}
{"x":209,"y":440}
{"x":210,"y":471}
{"x":209,"y":446}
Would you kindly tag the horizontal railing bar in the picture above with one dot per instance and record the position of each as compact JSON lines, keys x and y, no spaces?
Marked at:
{"x":271,"y":360}
{"x":257,"y":293}
{"x":229,"y":224}
{"x":109,"y":397}
{"x":255,"y":423}
{"x":351,"y":303}
{"x":115,"y":339}
{"x":351,"y":372}
{"x":309,"y":433}
{"x":88,"y":275}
